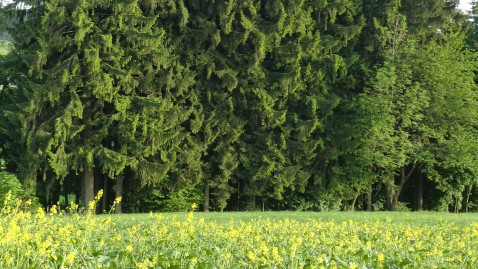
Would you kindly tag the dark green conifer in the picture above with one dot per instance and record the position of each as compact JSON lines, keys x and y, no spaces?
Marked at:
{"x":106,"y":91}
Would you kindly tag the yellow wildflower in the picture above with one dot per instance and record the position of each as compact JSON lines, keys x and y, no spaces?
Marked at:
{"x":251,"y":256}
{"x":53,"y":210}
{"x":70,"y":258}
{"x":194,"y":261}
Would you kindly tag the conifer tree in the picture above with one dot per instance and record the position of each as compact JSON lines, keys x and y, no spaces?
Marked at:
{"x":427,"y":17}
{"x":20,"y":151}
{"x":254,"y":61}
{"x":292,"y":103}
{"x":104,"y":87}
{"x":285,"y":95}
{"x":215,"y":32}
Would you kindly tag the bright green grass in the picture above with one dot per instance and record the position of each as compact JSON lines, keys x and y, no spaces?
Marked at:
{"x":412,"y":218}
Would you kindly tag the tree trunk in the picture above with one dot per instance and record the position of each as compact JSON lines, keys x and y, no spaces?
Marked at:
{"x":403,"y":179}
{"x":30,"y":183}
{"x":352,"y":207}
{"x":50,"y":191}
{"x":396,"y":195}
{"x":88,"y":181}
{"x":456,"y":204}
{"x":468,"y":195}
{"x":252,"y":204}
{"x":88,"y":188}
{"x":458,"y":201}
{"x":390,"y":193}
{"x":82,"y":193}
{"x":206,"y":195}
{"x":79,"y":193}
{"x":419,"y":194}
{"x":238,"y":196}
{"x":393,"y":203}
{"x":119,"y":192}
{"x":65,"y":193}
{"x":105,"y":193}
{"x":369,"y":201}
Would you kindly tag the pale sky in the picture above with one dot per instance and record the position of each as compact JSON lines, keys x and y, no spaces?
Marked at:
{"x":465,"y":5}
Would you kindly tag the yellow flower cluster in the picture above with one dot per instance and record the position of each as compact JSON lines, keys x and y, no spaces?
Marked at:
{"x":48,"y":240}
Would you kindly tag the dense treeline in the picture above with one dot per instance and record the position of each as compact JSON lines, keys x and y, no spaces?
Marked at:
{"x":242,"y":105}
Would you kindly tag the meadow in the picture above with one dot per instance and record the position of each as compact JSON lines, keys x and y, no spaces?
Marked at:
{"x":66,"y":239}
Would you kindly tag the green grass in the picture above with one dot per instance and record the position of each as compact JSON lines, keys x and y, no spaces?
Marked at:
{"x":406,"y":218}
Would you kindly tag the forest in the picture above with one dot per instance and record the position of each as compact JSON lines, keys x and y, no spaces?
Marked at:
{"x":240,"y":105}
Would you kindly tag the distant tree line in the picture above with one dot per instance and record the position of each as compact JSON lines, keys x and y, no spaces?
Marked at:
{"x":242,"y":105}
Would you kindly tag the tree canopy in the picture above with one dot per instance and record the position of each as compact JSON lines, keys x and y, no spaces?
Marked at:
{"x":235,"y":105}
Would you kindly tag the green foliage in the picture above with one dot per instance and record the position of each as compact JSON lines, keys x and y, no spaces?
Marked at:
{"x":179,"y":201}
{"x":5,"y":47}
{"x":426,"y":17}
{"x":9,"y":186}
{"x":321,"y":102}
{"x":107,"y":93}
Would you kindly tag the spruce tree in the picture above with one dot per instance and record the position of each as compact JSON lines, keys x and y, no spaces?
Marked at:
{"x":104,"y":89}
{"x":286,"y":75}
{"x":256,"y":63}
{"x":425,"y":18}
{"x":20,"y":150}
{"x":213,"y":36}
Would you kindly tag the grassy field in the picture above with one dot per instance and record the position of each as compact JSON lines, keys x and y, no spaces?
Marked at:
{"x":238,"y":240}
{"x":412,"y":218}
